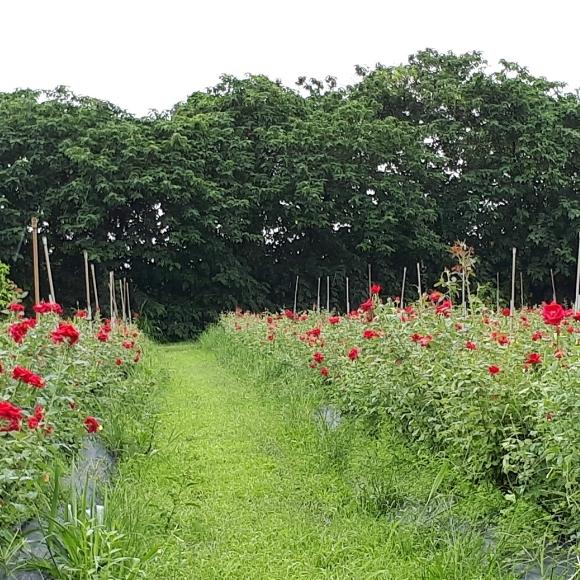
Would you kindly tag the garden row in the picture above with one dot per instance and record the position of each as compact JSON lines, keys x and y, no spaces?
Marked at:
{"x":496,"y":394}
{"x":62,"y":383}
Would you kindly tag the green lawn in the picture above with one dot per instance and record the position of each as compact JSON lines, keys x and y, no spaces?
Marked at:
{"x":245,"y":483}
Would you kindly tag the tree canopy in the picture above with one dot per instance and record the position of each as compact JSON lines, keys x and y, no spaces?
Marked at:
{"x":223,"y":200}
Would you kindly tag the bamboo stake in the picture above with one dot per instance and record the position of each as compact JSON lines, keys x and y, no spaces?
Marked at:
{"x":328,"y":293}
{"x":48,"y":269}
{"x":318,"y":297}
{"x":463,"y":293}
{"x":577,"y":296}
{"x":347,"y":298}
{"x":128,"y":302}
{"x":296,"y":294}
{"x":553,"y":285}
{"x":112,"y":295}
{"x":122,"y":296}
{"x":370,"y":282}
{"x":497,"y":294}
{"x":403,"y":287}
{"x":521,"y":289}
{"x":34,"y":224}
{"x":88,"y":284}
{"x":419,"y":280}
{"x":97,"y":307}
{"x":513,"y":296}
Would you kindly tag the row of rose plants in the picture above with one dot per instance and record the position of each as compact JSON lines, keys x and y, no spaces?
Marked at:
{"x":496,"y":392}
{"x":56,"y":377}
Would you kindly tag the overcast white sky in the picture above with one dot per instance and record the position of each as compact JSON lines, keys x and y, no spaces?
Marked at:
{"x":149,"y":54}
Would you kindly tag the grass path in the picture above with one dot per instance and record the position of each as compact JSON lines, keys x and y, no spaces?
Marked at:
{"x":240,"y":490}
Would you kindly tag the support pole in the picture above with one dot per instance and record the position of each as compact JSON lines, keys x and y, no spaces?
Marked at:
{"x":122,"y":296}
{"x":347,"y":298}
{"x":521,"y":289}
{"x":48,"y":269}
{"x":34,"y":224}
{"x":97,"y":307}
{"x":497,"y":293}
{"x":88,"y":284}
{"x":419,"y":280}
{"x":318,"y":297}
{"x":128,"y":302}
{"x":370,"y":282}
{"x":403,"y":287}
{"x":513,"y":295}
{"x":553,"y":285}
{"x":328,"y":293}
{"x":296,"y":294}
{"x":577,"y":296}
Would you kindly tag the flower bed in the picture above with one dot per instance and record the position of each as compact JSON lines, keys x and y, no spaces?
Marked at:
{"x":498,"y":394}
{"x":57,"y":380}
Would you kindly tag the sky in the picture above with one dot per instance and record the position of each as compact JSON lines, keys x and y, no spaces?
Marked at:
{"x":150,"y":54}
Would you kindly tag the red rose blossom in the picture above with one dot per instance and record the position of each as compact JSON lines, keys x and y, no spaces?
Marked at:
{"x":353,"y":353}
{"x":92,"y":425}
{"x":27,"y":376}
{"x":470,"y":345}
{"x":553,"y":313}
{"x":317,"y":357}
{"x":493,"y":370}
{"x":376,"y":289}
{"x":65,"y":332}
{"x":10,"y":417}
{"x":534,"y":359}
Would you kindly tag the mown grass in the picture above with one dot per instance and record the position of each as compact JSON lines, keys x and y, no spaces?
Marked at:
{"x":247,"y":483}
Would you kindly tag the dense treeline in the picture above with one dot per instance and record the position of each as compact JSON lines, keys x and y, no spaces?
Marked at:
{"x":223,"y":200}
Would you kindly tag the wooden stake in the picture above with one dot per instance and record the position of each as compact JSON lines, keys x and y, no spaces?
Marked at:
{"x":497,"y":294}
{"x":88,"y":284}
{"x":347,"y":298}
{"x":34,"y":224}
{"x":553,"y":285}
{"x":521,"y":289}
{"x":122,"y":296}
{"x":577,"y":296}
{"x":112,"y":295}
{"x":318,"y":297}
{"x":328,"y":293}
{"x":48,"y":269}
{"x":463,"y":293}
{"x":513,"y":296}
{"x":128,"y":302}
{"x":419,"y":280}
{"x":296,"y":294}
{"x":95,"y":291}
{"x":370,"y":282}
{"x":403,"y":287}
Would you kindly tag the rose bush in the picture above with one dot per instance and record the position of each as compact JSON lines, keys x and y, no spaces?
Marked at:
{"x":57,"y":380}
{"x":496,"y":394}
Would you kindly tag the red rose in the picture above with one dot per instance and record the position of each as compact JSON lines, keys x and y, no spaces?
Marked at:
{"x":65,"y":332}
{"x":333,"y":319}
{"x":506,"y":311}
{"x":92,"y":425}
{"x":444,"y":309}
{"x":353,"y":353}
{"x":470,"y":345}
{"x":537,"y":335}
{"x":26,"y":376}
{"x":553,"y":313}
{"x":16,"y":307}
{"x":10,"y":417}
{"x":47,"y":307}
{"x":369,"y":333}
{"x":376,"y":289}
{"x":367,"y":305}
{"x":534,"y":359}
{"x":317,"y":357}
{"x":493,"y":370}
{"x":118,"y":362}
{"x":324,"y":371}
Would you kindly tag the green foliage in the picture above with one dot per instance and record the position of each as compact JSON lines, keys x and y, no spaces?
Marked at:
{"x":223,"y":200}
{"x":7,"y":290}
